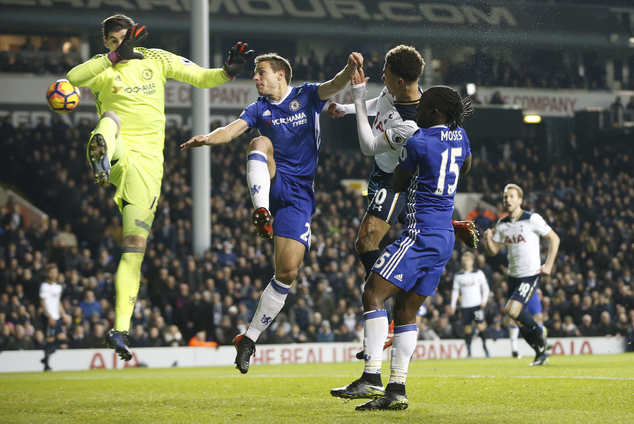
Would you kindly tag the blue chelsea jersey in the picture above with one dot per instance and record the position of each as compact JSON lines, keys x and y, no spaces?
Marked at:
{"x":435,"y":156}
{"x":292,"y":124}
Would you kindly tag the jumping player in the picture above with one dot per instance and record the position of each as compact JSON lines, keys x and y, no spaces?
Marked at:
{"x":281,"y":166}
{"x":126,"y":147}
{"x":410,"y":268}
{"x":394,"y":111}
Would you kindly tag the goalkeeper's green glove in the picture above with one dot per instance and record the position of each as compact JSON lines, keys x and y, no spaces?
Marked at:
{"x":133,"y":37}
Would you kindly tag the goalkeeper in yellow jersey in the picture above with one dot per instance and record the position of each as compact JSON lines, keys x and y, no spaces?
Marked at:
{"x":126,"y":147}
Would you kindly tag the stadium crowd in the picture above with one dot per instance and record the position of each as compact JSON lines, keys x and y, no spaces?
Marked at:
{"x":588,"y":200}
{"x":485,"y":67}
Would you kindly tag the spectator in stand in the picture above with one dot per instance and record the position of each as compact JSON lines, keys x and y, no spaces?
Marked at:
{"x":90,"y":306}
{"x":94,"y":339}
{"x":605,"y":327}
{"x":587,"y":329}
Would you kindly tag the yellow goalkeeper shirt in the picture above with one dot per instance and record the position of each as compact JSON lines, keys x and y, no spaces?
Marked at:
{"x":135,"y":91}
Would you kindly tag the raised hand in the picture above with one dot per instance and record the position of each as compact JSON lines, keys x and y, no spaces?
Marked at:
{"x":133,"y":37}
{"x":238,"y":56}
{"x":359,"y":77}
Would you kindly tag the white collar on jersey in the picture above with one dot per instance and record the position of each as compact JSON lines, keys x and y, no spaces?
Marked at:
{"x":438,"y":126}
{"x":288,"y":91}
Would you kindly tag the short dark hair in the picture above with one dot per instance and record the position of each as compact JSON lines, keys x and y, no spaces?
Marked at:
{"x":50,"y":267}
{"x":278,"y":63}
{"x":116,"y":23}
{"x":448,"y":101}
{"x":405,"y":62}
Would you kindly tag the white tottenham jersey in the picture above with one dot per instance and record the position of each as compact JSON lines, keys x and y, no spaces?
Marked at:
{"x":472,"y":287}
{"x":52,"y":294}
{"x":521,"y":238}
{"x":395,"y":131}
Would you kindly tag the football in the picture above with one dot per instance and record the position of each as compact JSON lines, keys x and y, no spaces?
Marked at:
{"x":62,"y":97}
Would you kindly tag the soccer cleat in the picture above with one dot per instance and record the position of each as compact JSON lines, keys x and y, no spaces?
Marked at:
{"x":466,"y":231}
{"x":245,"y":347}
{"x":358,"y":389}
{"x":118,"y":340}
{"x":517,"y":355}
{"x":261,"y":218}
{"x":388,"y":342}
{"x":98,"y":157}
{"x":540,"y":359}
{"x":389,"y":401}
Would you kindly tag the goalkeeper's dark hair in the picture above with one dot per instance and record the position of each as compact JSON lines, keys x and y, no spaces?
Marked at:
{"x":116,"y":23}
{"x":449,"y":102}
{"x":278,"y":63}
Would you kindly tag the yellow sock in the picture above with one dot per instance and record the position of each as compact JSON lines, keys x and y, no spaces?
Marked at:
{"x":127,"y":286}
{"x":108,"y":128}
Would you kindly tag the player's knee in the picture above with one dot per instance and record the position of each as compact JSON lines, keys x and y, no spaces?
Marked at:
{"x":371,"y":300}
{"x":359,"y":244}
{"x":364,"y":242}
{"x":263,"y":144}
{"x":286,"y":276}
{"x":511,"y":311}
{"x":112,"y":115}
{"x":133,"y":241}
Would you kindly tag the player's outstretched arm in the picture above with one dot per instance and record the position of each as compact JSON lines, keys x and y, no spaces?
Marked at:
{"x":342,"y":79}
{"x":337,"y":110}
{"x":220,"y":135}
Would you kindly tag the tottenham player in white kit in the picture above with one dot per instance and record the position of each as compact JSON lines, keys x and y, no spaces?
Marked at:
{"x":520,"y":231}
{"x":52,"y":311}
{"x":410,"y":268}
{"x":472,"y":288}
{"x":281,"y":166}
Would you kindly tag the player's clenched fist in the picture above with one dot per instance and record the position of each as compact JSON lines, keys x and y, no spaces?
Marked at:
{"x":355,"y":59}
{"x":196,"y":141}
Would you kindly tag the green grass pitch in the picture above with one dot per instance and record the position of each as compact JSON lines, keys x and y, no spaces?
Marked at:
{"x":571,"y":389}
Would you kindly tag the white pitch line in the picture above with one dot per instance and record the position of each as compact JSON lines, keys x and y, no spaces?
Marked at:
{"x":198,"y":375}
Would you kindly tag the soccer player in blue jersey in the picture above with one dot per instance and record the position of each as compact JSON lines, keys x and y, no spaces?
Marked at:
{"x":281,"y":166}
{"x":126,"y":147}
{"x":410,"y":268}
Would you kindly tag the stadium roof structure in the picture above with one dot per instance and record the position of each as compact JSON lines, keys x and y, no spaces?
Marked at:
{"x":474,"y":21}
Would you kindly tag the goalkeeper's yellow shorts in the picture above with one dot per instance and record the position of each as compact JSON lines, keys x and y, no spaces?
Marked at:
{"x":138,"y":178}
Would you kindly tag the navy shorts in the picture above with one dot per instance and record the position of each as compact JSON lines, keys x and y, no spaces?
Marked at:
{"x":383,"y":202}
{"x":523,"y":288}
{"x":292,"y":202}
{"x":416,"y":260}
{"x":475,"y":313}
